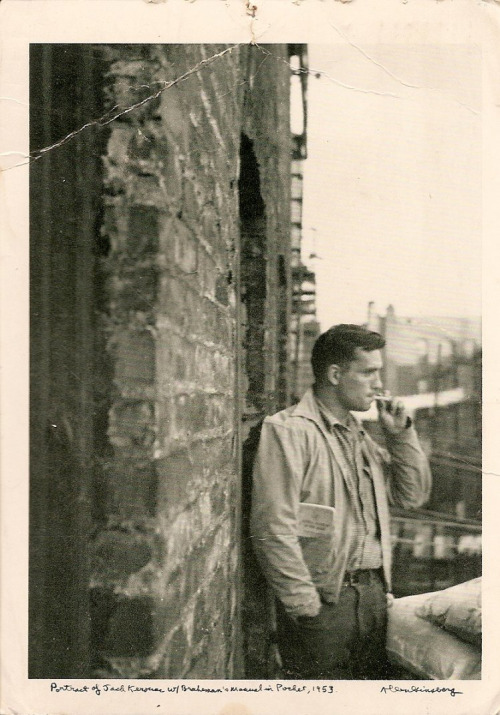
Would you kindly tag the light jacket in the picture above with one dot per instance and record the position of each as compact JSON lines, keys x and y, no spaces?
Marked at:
{"x":299,"y":461}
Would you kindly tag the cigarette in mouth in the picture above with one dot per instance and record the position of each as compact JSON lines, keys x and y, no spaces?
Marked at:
{"x":383,"y":398}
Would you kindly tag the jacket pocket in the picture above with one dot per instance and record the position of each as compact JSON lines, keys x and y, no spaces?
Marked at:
{"x":318,"y":553}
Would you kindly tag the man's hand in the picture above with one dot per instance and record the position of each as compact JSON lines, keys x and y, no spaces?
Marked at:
{"x":392,"y":415}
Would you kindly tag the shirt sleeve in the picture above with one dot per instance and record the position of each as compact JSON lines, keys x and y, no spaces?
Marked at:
{"x":409,"y":475}
{"x":277,"y":478}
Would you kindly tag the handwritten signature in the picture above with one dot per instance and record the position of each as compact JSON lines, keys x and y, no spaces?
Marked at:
{"x":419,"y":689}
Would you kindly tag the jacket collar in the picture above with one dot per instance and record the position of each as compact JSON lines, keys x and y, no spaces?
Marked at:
{"x":309,"y":408}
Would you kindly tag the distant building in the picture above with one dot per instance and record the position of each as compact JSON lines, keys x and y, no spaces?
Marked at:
{"x":427,"y":354}
{"x":304,"y":327}
{"x":435,"y":364}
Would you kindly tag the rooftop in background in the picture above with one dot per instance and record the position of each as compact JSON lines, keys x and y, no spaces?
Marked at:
{"x":412,"y":339}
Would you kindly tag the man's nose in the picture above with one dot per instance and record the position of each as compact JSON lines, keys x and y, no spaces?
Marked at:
{"x":377,"y":382}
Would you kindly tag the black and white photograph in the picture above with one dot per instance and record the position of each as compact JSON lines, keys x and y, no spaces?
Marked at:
{"x":255,"y":309}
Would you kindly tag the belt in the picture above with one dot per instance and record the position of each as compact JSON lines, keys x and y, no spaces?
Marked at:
{"x":362,"y":576}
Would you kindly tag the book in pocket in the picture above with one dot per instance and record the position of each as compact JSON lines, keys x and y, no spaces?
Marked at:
{"x":315,"y":520}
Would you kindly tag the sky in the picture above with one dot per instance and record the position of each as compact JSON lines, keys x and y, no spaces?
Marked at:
{"x":392,"y":182}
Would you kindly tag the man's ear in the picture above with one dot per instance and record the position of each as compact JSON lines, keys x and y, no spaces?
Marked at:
{"x":333,"y":373}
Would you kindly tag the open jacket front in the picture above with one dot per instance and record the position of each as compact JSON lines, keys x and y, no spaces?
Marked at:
{"x":299,"y":461}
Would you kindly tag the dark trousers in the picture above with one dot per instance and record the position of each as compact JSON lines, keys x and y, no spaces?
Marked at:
{"x":346,"y":641}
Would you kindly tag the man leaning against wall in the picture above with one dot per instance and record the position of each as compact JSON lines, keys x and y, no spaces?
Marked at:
{"x":320,"y":511}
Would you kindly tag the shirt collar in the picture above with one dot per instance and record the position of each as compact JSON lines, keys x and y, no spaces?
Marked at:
{"x":333,"y":422}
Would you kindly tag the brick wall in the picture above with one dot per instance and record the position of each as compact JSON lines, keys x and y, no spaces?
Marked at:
{"x":266,"y":112}
{"x":160,"y":313}
{"x":266,"y":296}
{"x":166,"y":558}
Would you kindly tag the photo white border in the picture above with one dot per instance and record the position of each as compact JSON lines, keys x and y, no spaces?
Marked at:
{"x":207,"y":21}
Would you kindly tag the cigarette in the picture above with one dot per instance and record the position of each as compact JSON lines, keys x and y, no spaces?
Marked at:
{"x":383,"y":398}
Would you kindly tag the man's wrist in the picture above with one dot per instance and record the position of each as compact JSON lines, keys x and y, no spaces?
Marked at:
{"x":395,"y":432}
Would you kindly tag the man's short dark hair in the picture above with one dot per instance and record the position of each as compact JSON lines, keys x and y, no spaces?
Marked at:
{"x":338,"y":347}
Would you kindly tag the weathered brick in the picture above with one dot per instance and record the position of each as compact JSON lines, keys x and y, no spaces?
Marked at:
{"x":219,"y":648}
{"x":208,"y":271}
{"x":173,"y":115}
{"x":129,"y":625}
{"x":135,"y":290}
{"x":220,"y":411}
{"x":209,"y":609}
{"x":131,"y":485}
{"x":210,"y":661}
{"x":196,"y":564}
{"x":223,"y":331}
{"x":135,"y":358}
{"x":178,"y":651}
{"x":146,"y":191}
{"x":131,"y":422}
{"x":222,"y":370}
{"x":211,"y":227}
{"x":185,"y":471}
{"x":222,"y":289}
{"x":118,"y":144}
{"x":186,"y":251}
{"x":177,"y":472}
{"x":173,"y":224}
{"x":189,"y":528}
{"x":192,"y":201}
{"x":206,"y":327}
{"x":143,"y":147}
{"x":117,"y":554}
{"x":219,"y":498}
{"x":218,"y":453}
{"x":181,"y":304}
{"x":128,"y":91}
{"x":200,"y":667}
{"x":194,"y":412}
{"x":181,"y":367}
{"x":116,"y":181}
{"x":143,"y":231}
{"x":174,"y":602}
{"x":166,"y":292}
{"x":130,"y":67}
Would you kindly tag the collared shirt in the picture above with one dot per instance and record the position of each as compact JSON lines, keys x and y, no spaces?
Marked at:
{"x":367,"y":552}
{"x":299,"y":461}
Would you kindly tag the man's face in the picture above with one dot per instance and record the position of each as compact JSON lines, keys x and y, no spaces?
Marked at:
{"x":359,"y":381}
